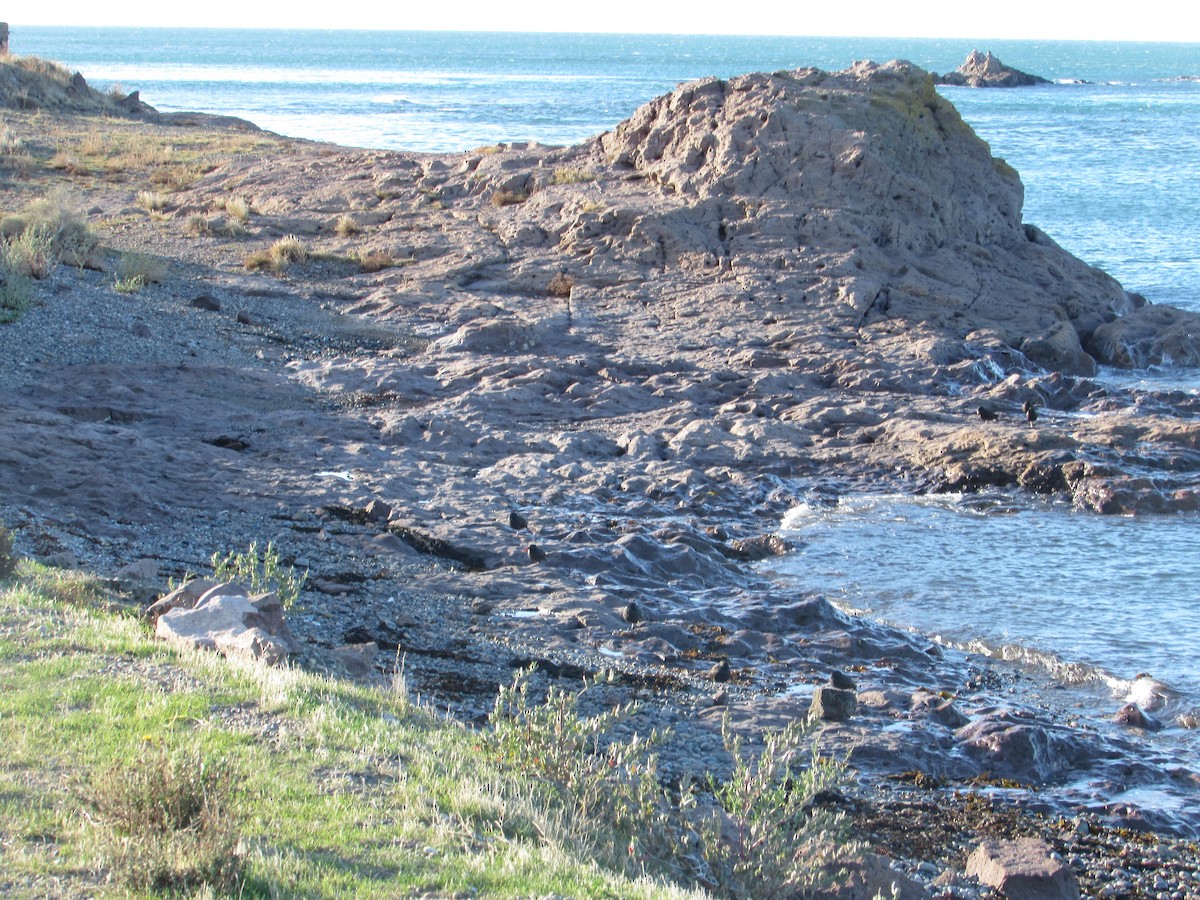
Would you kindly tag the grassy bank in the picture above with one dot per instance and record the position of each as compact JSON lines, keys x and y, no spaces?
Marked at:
{"x":130,"y":768}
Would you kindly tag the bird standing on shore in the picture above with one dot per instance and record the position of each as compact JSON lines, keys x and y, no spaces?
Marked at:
{"x":517,"y":522}
{"x":536,"y":553}
{"x":1031,"y":412}
{"x":988,"y":415}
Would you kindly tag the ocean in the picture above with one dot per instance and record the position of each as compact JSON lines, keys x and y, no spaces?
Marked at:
{"x":1110,"y":158}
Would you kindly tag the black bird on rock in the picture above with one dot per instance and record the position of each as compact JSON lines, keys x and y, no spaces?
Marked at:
{"x":1031,"y":412}
{"x":536,"y":553}
{"x":517,"y":522}
{"x":988,"y":415}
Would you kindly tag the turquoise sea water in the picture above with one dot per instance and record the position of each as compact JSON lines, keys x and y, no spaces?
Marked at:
{"x":1110,"y":157}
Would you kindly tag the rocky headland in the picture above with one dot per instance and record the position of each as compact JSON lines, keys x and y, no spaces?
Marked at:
{"x":534,"y":404}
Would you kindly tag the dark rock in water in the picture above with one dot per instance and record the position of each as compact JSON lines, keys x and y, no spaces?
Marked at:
{"x":1134,"y":716}
{"x":1025,"y":868}
{"x":830,"y":704}
{"x":985,"y":70}
{"x":758,"y":548}
{"x":1150,"y":336}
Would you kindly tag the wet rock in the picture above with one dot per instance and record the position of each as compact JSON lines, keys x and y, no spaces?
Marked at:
{"x":1014,"y":746}
{"x":1150,"y":336}
{"x":1024,"y":869}
{"x":759,"y":548}
{"x":1133,"y":716}
{"x":926,"y":704}
{"x":830,"y":704}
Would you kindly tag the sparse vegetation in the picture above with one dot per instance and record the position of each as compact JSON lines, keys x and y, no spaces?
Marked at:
{"x":152,"y":201}
{"x":573,"y":176}
{"x":138,"y":270}
{"x":238,"y":209}
{"x":243,"y":779}
{"x":508,"y":198}
{"x":347,"y":226}
{"x":376,"y":260}
{"x":260,"y":573}
{"x":168,"y":821}
{"x":197,"y":224}
{"x":51,"y":221}
{"x":279,"y":256}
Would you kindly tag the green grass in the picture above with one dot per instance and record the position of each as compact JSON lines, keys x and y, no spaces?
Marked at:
{"x":316,"y":787}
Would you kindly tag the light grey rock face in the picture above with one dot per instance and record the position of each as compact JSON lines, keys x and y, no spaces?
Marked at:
{"x":224,"y":619}
{"x":1023,"y":870}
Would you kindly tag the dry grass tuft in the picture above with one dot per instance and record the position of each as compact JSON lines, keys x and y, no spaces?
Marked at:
{"x":279,"y":256}
{"x":152,"y":201}
{"x":168,"y":822}
{"x":138,"y":270}
{"x":573,"y":176}
{"x":347,"y":226}
{"x":375,"y":261}
{"x":509,"y":198}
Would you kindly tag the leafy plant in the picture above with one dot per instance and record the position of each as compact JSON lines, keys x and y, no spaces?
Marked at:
{"x":755,"y":834}
{"x":168,"y":821}
{"x":260,"y":573}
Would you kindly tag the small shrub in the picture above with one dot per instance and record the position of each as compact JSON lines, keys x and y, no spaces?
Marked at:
{"x":260,"y":573}
{"x":72,"y":242}
{"x":137,"y":270}
{"x":347,"y":226}
{"x":560,"y":285}
{"x":30,"y":253}
{"x":8,"y":556}
{"x":16,"y":293}
{"x":757,"y":834}
{"x":509,"y":198}
{"x":168,"y":822}
{"x":573,"y":176}
{"x":152,"y":201}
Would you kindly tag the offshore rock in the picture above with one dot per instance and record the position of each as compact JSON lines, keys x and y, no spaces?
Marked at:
{"x":985,"y":70}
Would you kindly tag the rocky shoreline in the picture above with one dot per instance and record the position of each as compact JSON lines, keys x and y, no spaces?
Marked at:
{"x":755,"y":292}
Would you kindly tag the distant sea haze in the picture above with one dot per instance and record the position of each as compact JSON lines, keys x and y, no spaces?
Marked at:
{"x":1111,"y":166}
